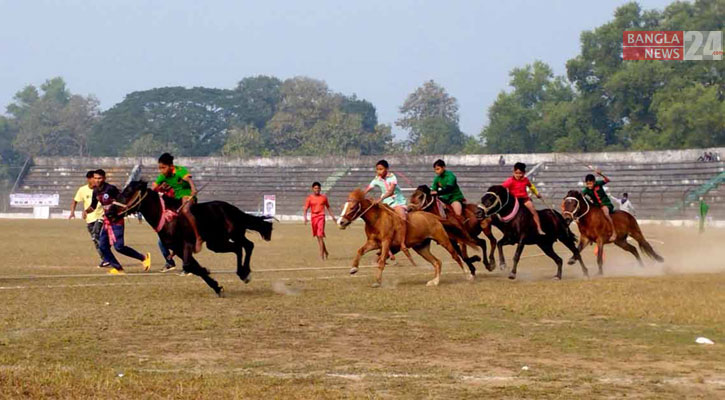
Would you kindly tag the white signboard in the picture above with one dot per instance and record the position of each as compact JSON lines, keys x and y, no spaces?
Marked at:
{"x":270,"y":205}
{"x":30,"y":200}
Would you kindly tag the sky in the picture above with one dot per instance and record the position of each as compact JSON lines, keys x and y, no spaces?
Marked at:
{"x":380,"y":50}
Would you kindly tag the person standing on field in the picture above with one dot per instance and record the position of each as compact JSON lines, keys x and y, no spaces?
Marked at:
{"x":94,"y":219}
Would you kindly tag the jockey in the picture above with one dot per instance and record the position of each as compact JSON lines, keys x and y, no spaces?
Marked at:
{"x":596,"y":194}
{"x":112,"y":232}
{"x":517,"y":185}
{"x":446,"y":187}
{"x":392,"y":196}
{"x":175,"y":181}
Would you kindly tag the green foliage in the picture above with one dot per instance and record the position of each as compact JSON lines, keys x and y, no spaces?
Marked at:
{"x":617,"y":104}
{"x":148,"y":146}
{"x":244,"y":142}
{"x":436,"y":135}
{"x":52,"y":121}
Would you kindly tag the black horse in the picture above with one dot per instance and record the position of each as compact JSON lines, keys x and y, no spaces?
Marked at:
{"x":517,"y":224}
{"x":220,"y":224}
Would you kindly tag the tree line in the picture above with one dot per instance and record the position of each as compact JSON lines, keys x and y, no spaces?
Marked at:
{"x":603,"y":103}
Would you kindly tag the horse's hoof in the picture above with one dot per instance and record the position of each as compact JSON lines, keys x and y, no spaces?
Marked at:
{"x":490,"y":267}
{"x":556,"y":278}
{"x":470,"y":277}
{"x":375,"y":285}
{"x":503,"y":267}
{"x":249,"y":279}
{"x":571,"y":261}
{"x":433,"y":282}
{"x":512,"y":276}
{"x":220,"y":292}
{"x":353,"y":270}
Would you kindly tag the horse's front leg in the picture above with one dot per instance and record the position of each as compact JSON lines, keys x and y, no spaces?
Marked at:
{"x":501,"y":259}
{"x":384,"y":249}
{"x":517,"y":257}
{"x":192,"y":266}
{"x":368,"y":246}
{"x":583,"y":242}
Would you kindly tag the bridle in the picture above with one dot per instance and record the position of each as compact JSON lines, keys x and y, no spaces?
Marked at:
{"x":498,"y":201}
{"x":135,"y":202}
{"x":432,"y":200}
{"x":576,"y":209}
{"x":358,"y":207}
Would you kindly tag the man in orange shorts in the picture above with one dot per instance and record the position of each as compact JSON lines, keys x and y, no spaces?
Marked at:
{"x":317,"y":203}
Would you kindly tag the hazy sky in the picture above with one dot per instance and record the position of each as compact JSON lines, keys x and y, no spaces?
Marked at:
{"x":380,"y":50}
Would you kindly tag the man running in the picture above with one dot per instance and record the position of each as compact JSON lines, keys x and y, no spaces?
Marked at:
{"x":94,"y":219}
{"x":317,"y":203}
{"x":113,"y":228}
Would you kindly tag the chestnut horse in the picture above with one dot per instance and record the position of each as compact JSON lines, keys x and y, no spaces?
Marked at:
{"x":382,"y":225}
{"x":594,"y":228}
{"x":423,"y":200}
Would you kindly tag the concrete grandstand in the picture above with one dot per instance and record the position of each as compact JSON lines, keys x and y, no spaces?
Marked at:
{"x":662,"y":185}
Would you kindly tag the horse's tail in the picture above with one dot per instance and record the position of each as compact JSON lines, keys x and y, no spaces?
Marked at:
{"x":253,"y":222}
{"x":644,"y":245}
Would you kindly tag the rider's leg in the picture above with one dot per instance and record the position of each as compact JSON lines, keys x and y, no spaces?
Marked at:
{"x":457,"y":208}
{"x":186,"y":210}
{"x":530,"y":205}
{"x":400,"y":210}
{"x":605,"y":210}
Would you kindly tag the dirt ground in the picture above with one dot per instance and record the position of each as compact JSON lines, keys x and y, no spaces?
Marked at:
{"x":304,"y":328}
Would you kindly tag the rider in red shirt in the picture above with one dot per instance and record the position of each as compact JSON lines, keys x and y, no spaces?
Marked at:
{"x":317,"y":203}
{"x":517,"y":185}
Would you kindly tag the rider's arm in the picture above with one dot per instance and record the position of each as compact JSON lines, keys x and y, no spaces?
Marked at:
{"x":446,"y":184}
{"x":191,"y":184}
{"x":606,"y":179}
{"x":534,"y":190}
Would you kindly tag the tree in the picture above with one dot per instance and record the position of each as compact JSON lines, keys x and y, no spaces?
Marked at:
{"x":522,"y":121}
{"x":430,"y":115}
{"x":245,"y":141}
{"x":258,"y":98}
{"x":148,"y":146}
{"x":54,"y":122}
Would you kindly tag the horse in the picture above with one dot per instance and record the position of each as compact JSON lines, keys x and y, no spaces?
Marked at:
{"x":220,"y":224}
{"x":517,"y":224}
{"x":594,"y":227}
{"x":422,"y":200}
{"x":381,"y":229}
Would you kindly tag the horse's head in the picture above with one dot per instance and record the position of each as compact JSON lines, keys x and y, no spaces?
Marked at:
{"x":131,"y":196}
{"x":574,"y":205}
{"x":352,"y":209}
{"x":493,"y":201}
{"x":420,"y":199}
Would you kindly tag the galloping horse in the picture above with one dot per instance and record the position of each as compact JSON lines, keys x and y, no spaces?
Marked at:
{"x":382,"y":226}
{"x":220,"y":224}
{"x":594,"y":227}
{"x":422,"y":200}
{"x":517,"y":224}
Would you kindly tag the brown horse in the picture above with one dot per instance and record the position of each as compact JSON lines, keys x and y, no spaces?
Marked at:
{"x":381,"y":227}
{"x":594,"y":228}
{"x":463,"y":231}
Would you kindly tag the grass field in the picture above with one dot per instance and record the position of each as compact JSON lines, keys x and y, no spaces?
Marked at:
{"x":306,"y":329}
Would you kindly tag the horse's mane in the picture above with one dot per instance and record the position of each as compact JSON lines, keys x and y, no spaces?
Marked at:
{"x":423,"y":188}
{"x":357,"y":194}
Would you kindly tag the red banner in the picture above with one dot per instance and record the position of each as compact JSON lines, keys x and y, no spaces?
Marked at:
{"x":653,"y":45}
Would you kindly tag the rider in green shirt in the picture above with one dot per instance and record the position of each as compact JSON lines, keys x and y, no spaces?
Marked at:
{"x":175,"y":181}
{"x":446,"y":187}
{"x":594,"y":191}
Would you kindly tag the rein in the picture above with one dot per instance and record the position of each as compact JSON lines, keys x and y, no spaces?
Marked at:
{"x":573,"y":213}
{"x":133,"y":204}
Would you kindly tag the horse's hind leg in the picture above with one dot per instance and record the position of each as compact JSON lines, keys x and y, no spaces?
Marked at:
{"x":193,"y":266}
{"x":424,"y":251}
{"x":600,"y":255}
{"x":622,"y":243}
{"x":462,"y":251}
{"x":548,"y":249}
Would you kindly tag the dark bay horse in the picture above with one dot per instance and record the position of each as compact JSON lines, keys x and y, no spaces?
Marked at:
{"x":220,"y":224}
{"x":422,"y":200}
{"x":517,"y":224}
{"x":382,"y":225}
{"x":594,"y":228}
